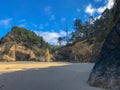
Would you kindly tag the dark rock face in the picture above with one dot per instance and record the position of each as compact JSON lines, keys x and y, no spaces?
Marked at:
{"x":81,"y":51}
{"x":63,"y":54}
{"x":106,"y":72}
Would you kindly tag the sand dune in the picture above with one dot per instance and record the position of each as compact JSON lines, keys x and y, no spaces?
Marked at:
{"x":45,"y":76}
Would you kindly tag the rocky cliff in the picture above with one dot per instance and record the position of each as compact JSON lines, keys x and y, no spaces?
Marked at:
{"x":81,"y":51}
{"x":14,"y":51}
{"x":106,"y":72}
{"x":23,"y":45}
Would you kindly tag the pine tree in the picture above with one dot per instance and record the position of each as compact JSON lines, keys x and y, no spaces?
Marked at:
{"x":60,"y":39}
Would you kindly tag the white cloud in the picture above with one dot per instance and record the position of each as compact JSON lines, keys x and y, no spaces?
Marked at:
{"x":90,"y":10}
{"x":52,"y":17}
{"x":101,"y":9}
{"x":5,"y":22}
{"x":22,"y":25}
{"x":35,"y":25}
{"x":29,"y":25}
{"x":74,"y":19}
{"x":97,"y":0}
{"x":48,"y":9}
{"x":98,"y":17}
{"x":110,"y":4}
{"x":63,"y":19}
{"x":51,"y":37}
{"x":62,"y":33}
{"x":78,"y":10}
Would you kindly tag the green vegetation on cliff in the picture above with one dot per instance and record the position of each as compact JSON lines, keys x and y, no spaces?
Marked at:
{"x":24,"y":36}
{"x":106,"y":72}
{"x":93,"y":32}
{"x":24,"y":44}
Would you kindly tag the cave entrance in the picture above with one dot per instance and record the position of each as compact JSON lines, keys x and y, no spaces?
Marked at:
{"x":22,"y":56}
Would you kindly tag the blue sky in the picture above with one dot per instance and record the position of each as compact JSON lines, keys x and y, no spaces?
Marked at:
{"x":48,"y":18}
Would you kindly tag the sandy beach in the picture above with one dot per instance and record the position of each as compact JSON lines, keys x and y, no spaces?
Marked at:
{"x":45,"y":76}
{"x":6,"y":67}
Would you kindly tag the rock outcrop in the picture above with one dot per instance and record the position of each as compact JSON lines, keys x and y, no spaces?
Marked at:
{"x":63,"y":54}
{"x":106,"y":72}
{"x":16,"y":52}
{"x":48,"y":56}
{"x":81,"y":51}
{"x":23,"y":45}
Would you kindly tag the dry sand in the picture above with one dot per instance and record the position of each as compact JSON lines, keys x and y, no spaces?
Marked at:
{"x":17,"y":66}
{"x":45,"y":76}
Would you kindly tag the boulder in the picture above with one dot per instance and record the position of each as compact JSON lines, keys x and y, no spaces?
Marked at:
{"x":106,"y":72}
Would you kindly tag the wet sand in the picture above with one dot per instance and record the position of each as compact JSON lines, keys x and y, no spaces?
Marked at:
{"x":45,"y":76}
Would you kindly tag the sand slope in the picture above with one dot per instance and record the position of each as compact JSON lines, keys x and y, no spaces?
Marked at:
{"x":45,"y":76}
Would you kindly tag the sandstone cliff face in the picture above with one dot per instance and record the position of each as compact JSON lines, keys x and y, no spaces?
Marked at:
{"x":16,"y":52}
{"x":23,"y":45}
{"x":106,"y":73}
{"x":48,"y":56}
{"x":79,"y":52}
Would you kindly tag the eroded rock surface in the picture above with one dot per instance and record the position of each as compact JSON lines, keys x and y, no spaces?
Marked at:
{"x":106,"y":73}
{"x":16,"y":52}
